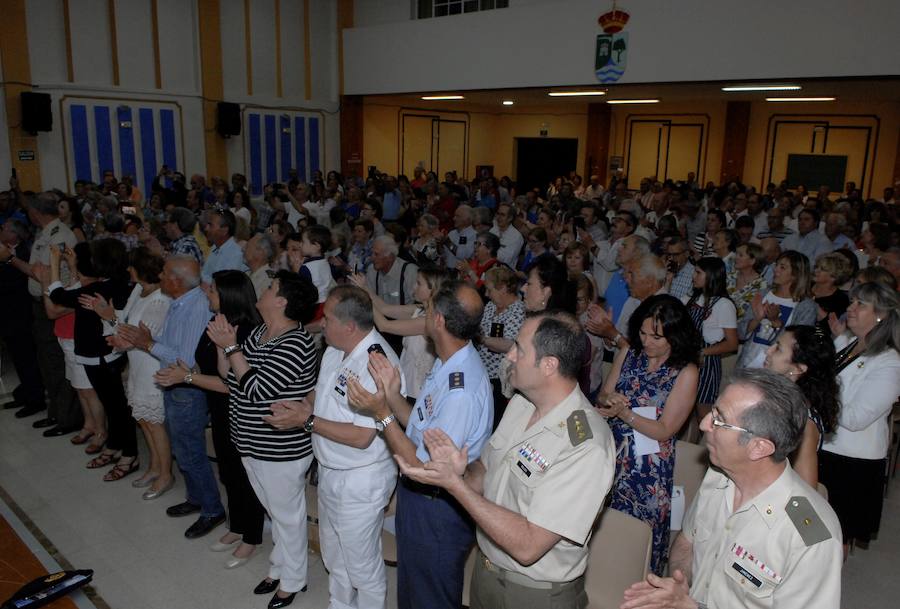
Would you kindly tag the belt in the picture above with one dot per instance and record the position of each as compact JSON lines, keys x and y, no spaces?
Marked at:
{"x":426,"y":490}
{"x":519,"y":579}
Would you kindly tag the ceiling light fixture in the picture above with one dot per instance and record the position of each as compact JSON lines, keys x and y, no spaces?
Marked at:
{"x":508,"y":102}
{"x":632,"y":101}
{"x":762,"y":88}
{"x":441,"y":97}
{"x":800,"y":99}
{"x":575,"y":93}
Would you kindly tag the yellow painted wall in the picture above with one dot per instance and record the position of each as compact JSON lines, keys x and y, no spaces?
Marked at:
{"x":883,"y":149}
{"x":713,"y":112}
{"x":491,"y":134}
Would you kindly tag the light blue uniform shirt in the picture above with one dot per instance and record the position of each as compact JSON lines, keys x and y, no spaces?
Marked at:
{"x":228,"y":257}
{"x":185,"y":323}
{"x":456,"y":398}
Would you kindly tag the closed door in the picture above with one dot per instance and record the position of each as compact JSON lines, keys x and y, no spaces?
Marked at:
{"x":418,"y":143}
{"x":451,"y":149}
{"x":663,"y":149}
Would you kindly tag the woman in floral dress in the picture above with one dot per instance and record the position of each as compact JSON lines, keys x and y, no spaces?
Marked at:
{"x":656,"y":369}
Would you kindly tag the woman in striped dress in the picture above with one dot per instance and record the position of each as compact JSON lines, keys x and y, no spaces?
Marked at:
{"x":715,"y":318}
{"x":276,"y":362}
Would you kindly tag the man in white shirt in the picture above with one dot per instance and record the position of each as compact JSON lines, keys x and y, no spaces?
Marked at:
{"x":357,"y":474}
{"x":834,"y":230}
{"x":807,"y":240}
{"x":392,"y":278}
{"x":511,"y":240}
{"x":459,"y":244}
{"x":259,"y":254}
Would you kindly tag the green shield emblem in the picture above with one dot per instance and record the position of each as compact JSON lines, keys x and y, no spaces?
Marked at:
{"x":611,"y":57}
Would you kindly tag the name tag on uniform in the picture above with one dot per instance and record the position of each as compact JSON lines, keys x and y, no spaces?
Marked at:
{"x":747,"y":575}
{"x":524,"y":468}
{"x":419,"y":412}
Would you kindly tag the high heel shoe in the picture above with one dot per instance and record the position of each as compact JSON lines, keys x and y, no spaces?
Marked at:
{"x":150,"y":494}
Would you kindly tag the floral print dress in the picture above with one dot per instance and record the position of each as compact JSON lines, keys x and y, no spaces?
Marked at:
{"x":643,"y":484}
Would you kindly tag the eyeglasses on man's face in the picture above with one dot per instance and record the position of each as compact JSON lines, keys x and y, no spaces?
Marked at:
{"x":717,"y":421}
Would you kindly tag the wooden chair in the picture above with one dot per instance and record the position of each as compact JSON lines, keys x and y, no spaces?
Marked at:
{"x":619,"y":556}
{"x":691,"y":463}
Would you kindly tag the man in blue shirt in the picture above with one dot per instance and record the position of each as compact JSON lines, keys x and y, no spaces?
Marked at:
{"x":186,"y":412}
{"x":434,"y":534}
{"x":393,"y":201}
{"x":226,"y":254}
{"x":808,"y":240}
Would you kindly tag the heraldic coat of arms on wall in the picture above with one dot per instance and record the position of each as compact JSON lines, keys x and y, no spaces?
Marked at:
{"x":612,"y":46}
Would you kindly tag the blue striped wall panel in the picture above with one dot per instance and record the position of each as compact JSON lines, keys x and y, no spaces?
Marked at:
{"x":81,"y":147}
{"x":313,"y":145}
{"x":148,"y":148}
{"x":300,"y":144}
{"x":285,"y":134}
{"x":126,"y":143}
{"x":103,"y":132}
{"x":256,"y":180}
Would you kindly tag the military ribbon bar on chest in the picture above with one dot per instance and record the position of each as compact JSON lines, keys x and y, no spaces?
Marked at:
{"x":533,"y":456}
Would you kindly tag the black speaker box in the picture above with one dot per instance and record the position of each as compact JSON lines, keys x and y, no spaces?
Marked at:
{"x":36,"y":113}
{"x":228,"y":119}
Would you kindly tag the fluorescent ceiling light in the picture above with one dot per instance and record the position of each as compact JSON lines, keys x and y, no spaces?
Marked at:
{"x":441,"y":97}
{"x":799,"y":99}
{"x":632,"y":101}
{"x":762,"y":88}
{"x":575,"y":93}
{"x":508,"y":102}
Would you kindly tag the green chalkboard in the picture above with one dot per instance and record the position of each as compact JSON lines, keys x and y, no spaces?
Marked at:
{"x":814,"y":170}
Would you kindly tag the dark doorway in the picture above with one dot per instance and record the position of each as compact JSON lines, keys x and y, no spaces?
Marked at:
{"x":539,"y":160}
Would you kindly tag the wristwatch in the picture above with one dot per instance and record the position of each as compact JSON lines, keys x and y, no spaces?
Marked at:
{"x":381,"y":424}
{"x":310,"y":423}
{"x":189,"y":378}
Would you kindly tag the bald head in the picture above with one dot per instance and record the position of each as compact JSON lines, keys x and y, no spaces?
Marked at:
{"x":461,"y":307}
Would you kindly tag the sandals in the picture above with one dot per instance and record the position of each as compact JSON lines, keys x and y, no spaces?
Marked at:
{"x":96,"y":445}
{"x":121,"y":470}
{"x":103,"y":460}
{"x":81,"y":437}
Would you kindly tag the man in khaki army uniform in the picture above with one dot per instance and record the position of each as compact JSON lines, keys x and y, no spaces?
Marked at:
{"x":65,"y":414}
{"x":756,"y":535}
{"x":541,"y":480}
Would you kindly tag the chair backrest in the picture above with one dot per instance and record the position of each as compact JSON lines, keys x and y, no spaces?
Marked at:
{"x":619,"y":556}
{"x":691,"y":463}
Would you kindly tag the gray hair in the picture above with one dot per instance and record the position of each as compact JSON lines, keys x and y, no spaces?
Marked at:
{"x":430,"y":220}
{"x":841,"y":218}
{"x":641,"y":245}
{"x":45,"y":203}
{"x":481,"y":215}
{"x":186,"y":269}
{"x":651,"y":267}
{"x":781,"y":413}
{"x":466,"y":209}
{"x":388,"y":244}
{"x":353,"y":304}
{"x":20,"y":229}
{"x":267,"y":245}
{"x":886,"y":333}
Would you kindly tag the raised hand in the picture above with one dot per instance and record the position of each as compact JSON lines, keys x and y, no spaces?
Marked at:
{"x":442,"y":448}
{"x":381,"y":369}
{"x":220,"y":332}
{"x":373,"y":404}
{"x":98,"y":305}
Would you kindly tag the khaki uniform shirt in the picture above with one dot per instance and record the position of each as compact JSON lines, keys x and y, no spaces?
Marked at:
{"x":556,"y":474}
{"x":52,"y":235}
{"x":781,"y":549}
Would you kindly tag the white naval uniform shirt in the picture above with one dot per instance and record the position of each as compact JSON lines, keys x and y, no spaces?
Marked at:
{"x":464,"y":241}
{"x":331,"y":403}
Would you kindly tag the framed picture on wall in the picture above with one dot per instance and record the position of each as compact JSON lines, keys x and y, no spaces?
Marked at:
{"x":484,"y":171}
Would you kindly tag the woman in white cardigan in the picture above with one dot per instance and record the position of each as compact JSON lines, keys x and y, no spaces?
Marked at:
{"x":852,"y":464}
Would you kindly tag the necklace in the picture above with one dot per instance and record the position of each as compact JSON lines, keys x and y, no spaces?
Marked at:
{"x":275,"y":336}
{"x":845,"y":357}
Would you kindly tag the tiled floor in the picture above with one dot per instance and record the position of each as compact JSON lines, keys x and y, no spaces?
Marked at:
{"x":142,"y":560}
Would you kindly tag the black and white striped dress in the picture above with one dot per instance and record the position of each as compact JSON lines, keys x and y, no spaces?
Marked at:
{"x":284,"y":368}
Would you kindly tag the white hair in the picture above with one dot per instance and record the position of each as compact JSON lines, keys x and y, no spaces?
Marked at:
{"x":388,"y":244}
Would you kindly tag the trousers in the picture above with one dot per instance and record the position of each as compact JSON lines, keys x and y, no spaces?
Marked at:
{"x":351,"y":517}
{"x":281,"y":488}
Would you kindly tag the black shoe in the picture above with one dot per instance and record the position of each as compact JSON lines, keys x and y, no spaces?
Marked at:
{"x":30,"y":410}
{"x":13,"y":404}
{"x":182,"y":509}
{"x":60,"y":430}
{"x":204,"y":525}
{"x":266,"y":586}
{"x":45,"y":422}
{"x":277,"y":602}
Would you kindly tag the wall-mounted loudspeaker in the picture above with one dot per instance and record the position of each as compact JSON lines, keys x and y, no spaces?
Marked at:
{"x":228,"y":119}
{"x":36,"y":113}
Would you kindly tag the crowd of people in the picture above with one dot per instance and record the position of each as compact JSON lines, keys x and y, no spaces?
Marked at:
{"x":525,"y":357}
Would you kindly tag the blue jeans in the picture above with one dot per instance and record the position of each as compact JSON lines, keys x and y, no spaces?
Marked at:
{"x":186,"y":419}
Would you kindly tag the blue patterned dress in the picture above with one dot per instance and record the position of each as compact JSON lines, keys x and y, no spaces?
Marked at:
{"x":643,"y":485}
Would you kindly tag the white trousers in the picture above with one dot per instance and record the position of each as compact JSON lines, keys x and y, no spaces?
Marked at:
{"x":281,"y":488}
{"x":351,"y":516}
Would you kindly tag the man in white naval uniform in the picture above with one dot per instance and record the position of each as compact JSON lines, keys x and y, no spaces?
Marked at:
{"x":356,"y":472}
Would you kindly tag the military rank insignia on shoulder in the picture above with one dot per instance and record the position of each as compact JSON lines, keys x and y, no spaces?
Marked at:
{"x":579,"y":428}
{"x":457,"y":380}
{"x":807,"y":522}
{"x":54,"y":230}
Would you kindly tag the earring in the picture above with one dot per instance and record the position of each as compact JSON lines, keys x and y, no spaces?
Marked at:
{"x":877,"y":320}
